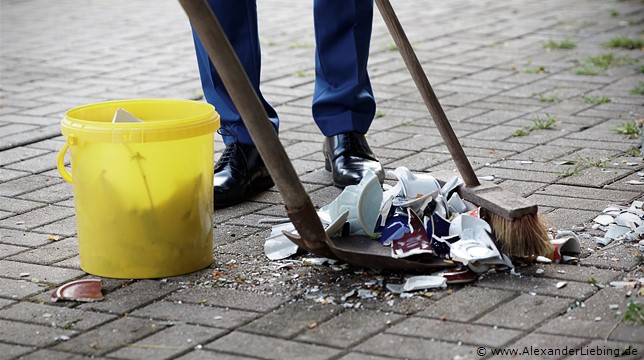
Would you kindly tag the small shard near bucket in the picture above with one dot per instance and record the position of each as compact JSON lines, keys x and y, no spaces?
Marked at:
{"x":123,"y":116}
{"x":87,"y":290}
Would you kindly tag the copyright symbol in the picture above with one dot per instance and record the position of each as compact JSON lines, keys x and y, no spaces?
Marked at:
{"x":481,"y":351}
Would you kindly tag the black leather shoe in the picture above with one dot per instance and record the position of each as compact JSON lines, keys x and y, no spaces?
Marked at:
{"x":240,"y":172}
{"x":348,"y":157}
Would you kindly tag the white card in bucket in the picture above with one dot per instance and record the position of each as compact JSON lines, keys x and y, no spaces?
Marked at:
{"x":123,"y":116}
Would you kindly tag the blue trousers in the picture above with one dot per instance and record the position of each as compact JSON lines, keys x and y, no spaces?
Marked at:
{"x":343,"y":99}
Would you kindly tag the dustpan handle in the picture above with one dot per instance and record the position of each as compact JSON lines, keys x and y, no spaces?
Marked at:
{"x":255,"y":118}
{"x":426,"y":91}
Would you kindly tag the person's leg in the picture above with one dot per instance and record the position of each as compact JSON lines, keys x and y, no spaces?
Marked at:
{"x":343,"y":101}
{"x":239,"y":21}
{"x":240,"y":171}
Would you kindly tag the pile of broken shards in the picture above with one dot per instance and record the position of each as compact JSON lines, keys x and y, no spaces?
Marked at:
{"x":621,"y":223}
{"x":416,"y":218}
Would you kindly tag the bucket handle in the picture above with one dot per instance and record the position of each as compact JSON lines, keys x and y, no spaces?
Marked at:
{"x":60,"y":163}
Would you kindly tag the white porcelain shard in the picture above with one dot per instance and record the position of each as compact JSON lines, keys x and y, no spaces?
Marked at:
{"x":628,"y":219}
{"x":423,"y":282}
{"x":277,"y":246}
{"x":123,"y":116}
{"x":363,"y":203}
{"x":615,"y":231}
{"x":415,"y":185}
{"x":604,"y":219}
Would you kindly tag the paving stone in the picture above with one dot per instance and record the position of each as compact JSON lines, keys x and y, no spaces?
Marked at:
{"x":49,"y":254}
{"x":291,"y":319}
{"x":47,"y":274}
{"x":131,"y":296}
{"x":47,"y":315}
{"x":63,"y":227}
{"x":566,"y":219}
{"x":168,"y":343}
{"x":614,"y":196}
{"x":196,"y":314}
{"x":525,"y":311}
{"x":109,"y":337}
{"x":396,"y":346}
{"x":17,"y":205}
{"x":519,"y":175}
{"x":14,"y":332}
{"x":562,"y":202}
{"x":621,"y":257}
{"x":19,"y":289}
{"x":537,"y":346}
{"x":538,"y":285}
{"x":203,"y":354}
{"x":55,"y":355}
{"x":270,"y":348}
{"x":18,"y":154}
{"x":596,"y":319}
{"x":349,"y":327}
{"x":8,"y":351}
{"x":5,"y":302}
{"x":38,"y":217}
{"x":225,"y":233}
{"x":8,"y":250}
{"x":469,"y":334}
{"x":451,"y":308}
{"x":571,"y":272}
{"x":521,"y":188}
{"x":51,"y":194}
{"x":6,"y":174}
{"x":228,"y":298}
{"x":416,"y":143}
{"x":594,"y":177}
{"x":25,"y":184}
{"x":359,"y":356}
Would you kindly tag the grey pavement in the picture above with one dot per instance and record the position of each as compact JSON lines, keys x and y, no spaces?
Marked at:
{"x":499,"y":68}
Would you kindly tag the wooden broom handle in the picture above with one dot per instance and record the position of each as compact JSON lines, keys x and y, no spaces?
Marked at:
{"x":426,"y":91}
{"x":247,"y":102}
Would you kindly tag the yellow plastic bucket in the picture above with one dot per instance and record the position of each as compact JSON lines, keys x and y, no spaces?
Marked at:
{"x":143,"y":191}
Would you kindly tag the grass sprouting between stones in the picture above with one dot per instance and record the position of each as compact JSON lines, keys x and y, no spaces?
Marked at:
{"x":624,"y":42}
{"x":595,"y":99}
{"x":566,"y":43}
{"x":631,"y":129}
{"x":613,"y":12}
{"x":634,"y":313}
{"x":548,"y":98}
{"x":595,"y":65}
{"x":538,"y":123}
{"x":638,"y":89}
{"x":580,"y":164}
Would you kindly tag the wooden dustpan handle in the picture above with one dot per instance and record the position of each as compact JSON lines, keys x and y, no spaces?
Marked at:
{"x":298,"y":203}
{"x":427,"y":93}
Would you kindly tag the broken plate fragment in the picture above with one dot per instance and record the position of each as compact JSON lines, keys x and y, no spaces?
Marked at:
{"x":413,"y":242}
{"x":87,"y":290}
{"x":565,"y":248}
{"x":277,"y":246}
{"x":615,"y":231}
{"x":604,"y":220}
{"x":363,"y":201}
{"x":423,"y":282}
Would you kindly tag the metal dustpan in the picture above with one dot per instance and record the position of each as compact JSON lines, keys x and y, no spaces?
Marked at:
{"x":354,"y":250}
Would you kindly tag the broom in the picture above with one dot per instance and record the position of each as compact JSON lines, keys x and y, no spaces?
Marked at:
{"x":514,"y":221}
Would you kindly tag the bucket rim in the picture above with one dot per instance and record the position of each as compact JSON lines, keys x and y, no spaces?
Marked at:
{"x":204,"y":120}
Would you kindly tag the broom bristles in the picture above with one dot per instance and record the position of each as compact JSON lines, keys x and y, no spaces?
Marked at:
{"x":523,"y":237}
